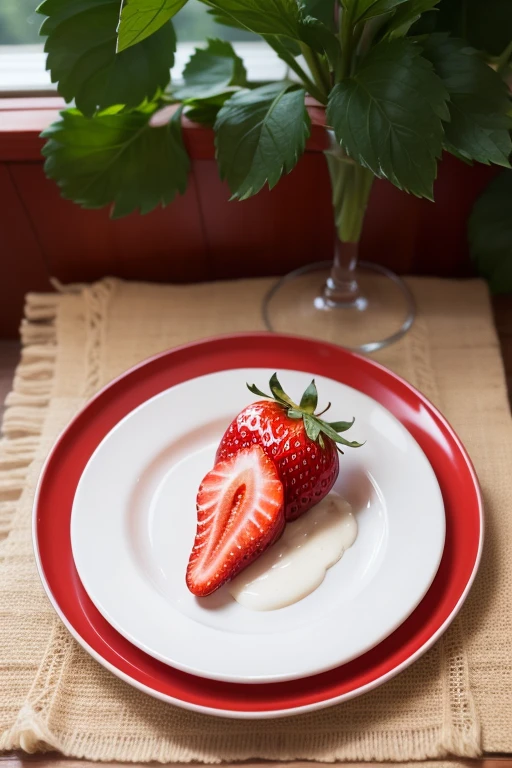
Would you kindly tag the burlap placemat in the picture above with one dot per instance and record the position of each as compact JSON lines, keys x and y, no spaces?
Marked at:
{"x":456,"y":700}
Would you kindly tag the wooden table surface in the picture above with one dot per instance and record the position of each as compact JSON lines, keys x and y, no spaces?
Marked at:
{"x":9,"y":355}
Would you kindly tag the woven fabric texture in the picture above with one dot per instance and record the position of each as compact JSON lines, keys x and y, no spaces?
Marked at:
{"x":456,"y":700}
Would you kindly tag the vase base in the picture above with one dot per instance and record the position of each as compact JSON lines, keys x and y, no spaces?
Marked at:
{"x":380,"y":314}
{"x":325,"y":304}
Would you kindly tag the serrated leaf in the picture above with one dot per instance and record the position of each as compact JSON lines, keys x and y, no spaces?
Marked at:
{"x":276,"y":18}
{"x":278,"y":391}
{"x":368,"y":9}
{"x":309,"y":399}
{"x":118,"y":159}
{"x":142,"y":18}
{"x":259,"y":135}
{"x":57,"y":11}
{"x":490,"y":233}
{"x":225,"y":19}
{"x":479,"y":104}
{"x":211,"y":71}
{"x":341,"y":426}
{"x":312,"y":427}
{"x":264,"y":17}
{"x":387,"y":116}
{"x":407,"y":14}
{"x":82,"y":59}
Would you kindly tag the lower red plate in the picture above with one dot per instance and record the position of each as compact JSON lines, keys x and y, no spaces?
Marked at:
{"x":66,"y":462}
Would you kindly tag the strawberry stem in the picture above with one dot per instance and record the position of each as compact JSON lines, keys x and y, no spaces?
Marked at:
{"x":316,"y":428}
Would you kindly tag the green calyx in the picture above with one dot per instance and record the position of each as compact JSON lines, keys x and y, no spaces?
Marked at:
{"x":315,"y":426}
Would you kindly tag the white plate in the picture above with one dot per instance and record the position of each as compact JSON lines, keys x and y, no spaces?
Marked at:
{"x":133,"y":525}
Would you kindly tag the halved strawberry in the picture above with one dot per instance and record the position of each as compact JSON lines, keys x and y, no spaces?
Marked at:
{"x":239,"y":514}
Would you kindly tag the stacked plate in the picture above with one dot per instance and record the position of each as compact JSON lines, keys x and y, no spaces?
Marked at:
{"x":114,"y":521}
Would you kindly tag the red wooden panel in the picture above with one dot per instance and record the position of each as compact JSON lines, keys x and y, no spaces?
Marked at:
{"x":390,"y":228}
{"x":165,"y":245}
{"x":19,"y":132}
{"x":22,"y":266}
{"x":293,"y":225}
{"x":272,"y":232}
{"x":441,"y":246}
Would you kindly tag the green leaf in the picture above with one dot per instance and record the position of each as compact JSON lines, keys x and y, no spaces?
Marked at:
{"x":259,"y":135}
{"x":312,"y":427}
{"x":321,"y":39}
{"x":276,"y":18}
{"x":329,"y":431}
{"x":203,"y":113}
{"x":286,"y":48}
{"x":341,"y":426}
{"x":292,"y":47}
{"x":479,"y":104}
{"x":368,"y":9}
{"x":82,"y":57}
{"x":211,"y":71}
{"x":58,"y":11}
{"x":294,"y":414}
{"x":141,"y":18}
{"x":309,"y":399}
{"x":254,"y":389}
{"x":387,"y":116}
{"x":323,"y":10}
{"x":117,"y":159}
{"x":224,"y":19}
{"x":490,"y":233}
{"x":264,"y":17}
{"x":500,"y":281}
{"x":407,"y":14}
{"x":278,"y":391}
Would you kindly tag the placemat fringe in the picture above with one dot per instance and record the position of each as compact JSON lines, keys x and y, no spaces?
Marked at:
{"x":26,"y":404}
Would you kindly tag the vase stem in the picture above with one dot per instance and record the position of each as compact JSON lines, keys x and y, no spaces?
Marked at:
{"x":351,"y":186}
{"x":341,"y":288}
{"x":360,"y":305}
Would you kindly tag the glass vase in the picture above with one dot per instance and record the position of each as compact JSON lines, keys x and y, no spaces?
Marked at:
{"x":359,"y":305}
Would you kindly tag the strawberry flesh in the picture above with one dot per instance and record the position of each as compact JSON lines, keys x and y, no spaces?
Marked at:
{"x":307,"y":470}
{"x":240,"y":513}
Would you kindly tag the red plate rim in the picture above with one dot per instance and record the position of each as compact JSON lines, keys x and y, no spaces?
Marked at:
{"x":68,"y":457}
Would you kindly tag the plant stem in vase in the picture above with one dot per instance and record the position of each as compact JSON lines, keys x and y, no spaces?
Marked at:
{"x":359,"y":305}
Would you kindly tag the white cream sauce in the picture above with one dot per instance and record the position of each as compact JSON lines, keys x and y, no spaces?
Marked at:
{"x":296,"y":564}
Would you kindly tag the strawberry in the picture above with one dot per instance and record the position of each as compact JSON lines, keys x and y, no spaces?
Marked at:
{"x":239,"y":514}
{"x":303,"y":446}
